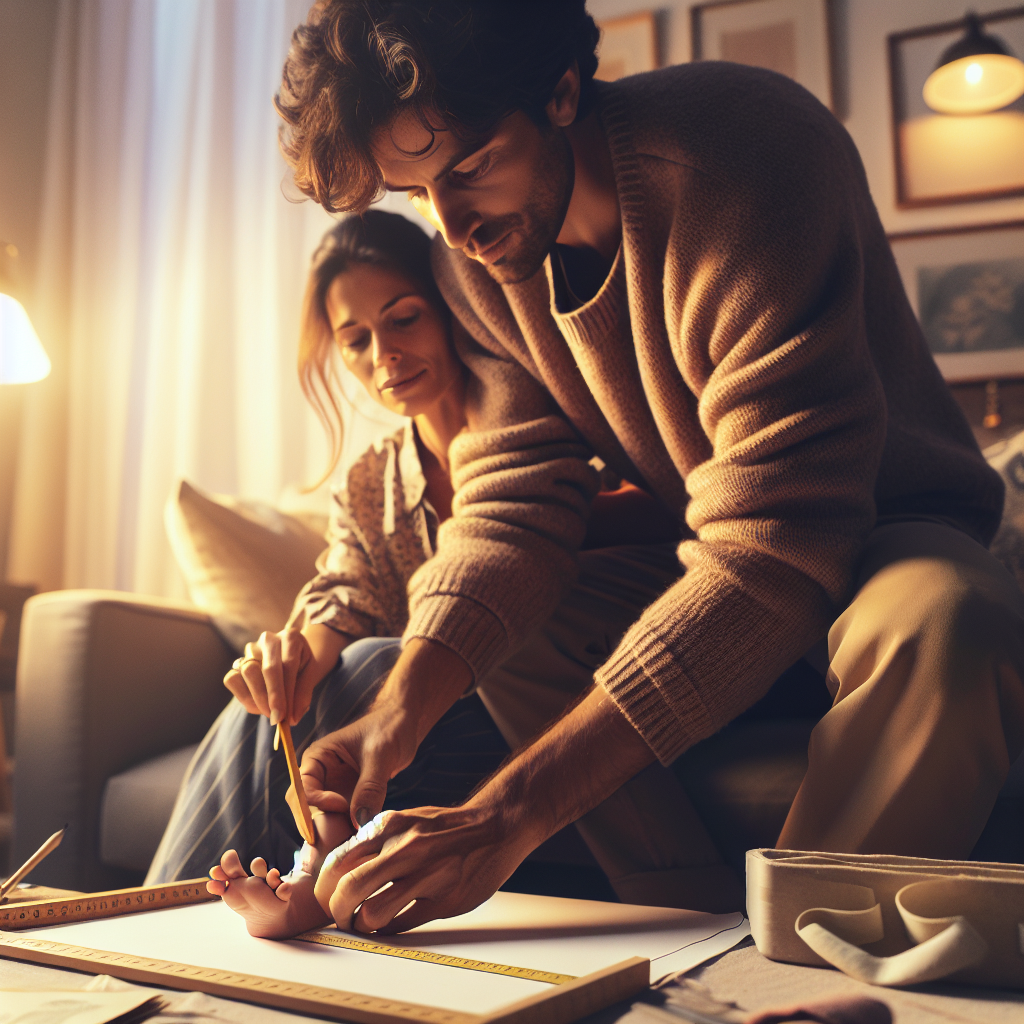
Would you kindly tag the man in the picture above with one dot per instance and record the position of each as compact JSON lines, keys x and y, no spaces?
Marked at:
{"x":685,"y":270}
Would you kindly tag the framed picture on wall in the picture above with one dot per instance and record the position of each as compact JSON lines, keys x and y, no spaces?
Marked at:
{"x":788,"y":36}
{"x":952,"y":158}
{"x":628,"y":46}
{"x":967,"y":288}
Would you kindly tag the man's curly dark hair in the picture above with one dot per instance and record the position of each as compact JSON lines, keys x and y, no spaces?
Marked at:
{"x":459,"y":65}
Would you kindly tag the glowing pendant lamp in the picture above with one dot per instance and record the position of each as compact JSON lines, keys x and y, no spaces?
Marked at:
{"x":22,"y":357}
{"x":976,"y":74}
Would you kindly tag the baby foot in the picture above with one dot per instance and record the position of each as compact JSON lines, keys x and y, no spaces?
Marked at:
{"x":273,"y":908}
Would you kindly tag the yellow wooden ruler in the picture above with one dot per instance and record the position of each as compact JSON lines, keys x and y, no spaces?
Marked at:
{"x":426,"y":956}
{"x":557,"y":1004}
{"x":92,"y":906}
{"x":317,"y":999}
{"x":68,"y":910}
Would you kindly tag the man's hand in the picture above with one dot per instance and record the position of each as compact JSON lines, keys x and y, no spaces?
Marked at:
{"x":445,"y":861}
{"x":442,"y":861}
{"x":349,"y":770}
{"x":277,"y":674}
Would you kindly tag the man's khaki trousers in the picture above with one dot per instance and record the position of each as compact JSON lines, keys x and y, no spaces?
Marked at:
{"x":926,"y":670}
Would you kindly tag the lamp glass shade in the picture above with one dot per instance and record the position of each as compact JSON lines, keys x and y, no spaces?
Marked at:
{"x":22,"y":357}
{"x":975,"y":85}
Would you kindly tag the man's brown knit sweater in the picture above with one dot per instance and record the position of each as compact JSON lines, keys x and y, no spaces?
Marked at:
{"x":751,"y":360}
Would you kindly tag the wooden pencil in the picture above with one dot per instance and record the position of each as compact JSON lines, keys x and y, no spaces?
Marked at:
{"x":45,"y":850}
{"x":306,"y":824}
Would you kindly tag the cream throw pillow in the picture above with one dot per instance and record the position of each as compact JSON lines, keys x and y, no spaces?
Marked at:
{"x":244,"y":562}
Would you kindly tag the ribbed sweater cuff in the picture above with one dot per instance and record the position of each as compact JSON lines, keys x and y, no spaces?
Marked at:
{"x":639,"y":676}
{"x":467,"y":627}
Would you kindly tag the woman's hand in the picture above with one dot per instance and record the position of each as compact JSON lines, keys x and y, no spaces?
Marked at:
{"x":277,"y":674}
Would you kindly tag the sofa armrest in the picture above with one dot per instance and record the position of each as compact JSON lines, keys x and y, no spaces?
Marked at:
{"x":105,"y":680}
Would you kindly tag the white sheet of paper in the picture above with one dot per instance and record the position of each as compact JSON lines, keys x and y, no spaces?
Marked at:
{"x":564,"y":936}
{"x":578,"y":936}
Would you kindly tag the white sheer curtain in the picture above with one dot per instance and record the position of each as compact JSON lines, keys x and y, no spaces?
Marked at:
{"x":171,"y":272}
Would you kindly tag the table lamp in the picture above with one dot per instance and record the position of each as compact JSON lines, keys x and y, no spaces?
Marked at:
{"x":975,"y":75}
{"x":22,"y":361}
{"x":22,"y":357}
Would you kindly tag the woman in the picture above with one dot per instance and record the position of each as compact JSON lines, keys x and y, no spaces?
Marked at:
{"x":372,"y":298}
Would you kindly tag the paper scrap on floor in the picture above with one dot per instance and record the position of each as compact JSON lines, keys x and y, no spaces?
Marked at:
{"x":77,"y":1007}
{"x":558,"y":935}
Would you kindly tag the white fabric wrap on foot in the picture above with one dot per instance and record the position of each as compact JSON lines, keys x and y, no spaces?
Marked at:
{"x":370,"y":830}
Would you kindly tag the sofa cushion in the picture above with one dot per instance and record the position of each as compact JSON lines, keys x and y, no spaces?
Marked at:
{"x":243,"y":561}
{"x":136,"y":807}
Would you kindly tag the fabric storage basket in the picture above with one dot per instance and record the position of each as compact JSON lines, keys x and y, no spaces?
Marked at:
{"x":889,"y":920}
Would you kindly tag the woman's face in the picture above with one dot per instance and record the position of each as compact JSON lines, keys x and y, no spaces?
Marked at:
{"x":392,"y":338}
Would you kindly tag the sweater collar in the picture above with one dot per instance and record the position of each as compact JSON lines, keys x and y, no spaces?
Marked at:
{"x":614,"y":114}
{"x":604,"y":307}
{"x":600,"y":316}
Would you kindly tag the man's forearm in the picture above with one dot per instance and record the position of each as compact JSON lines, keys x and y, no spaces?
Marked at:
{"x":427,"y":680}
{"x":580,"y":761}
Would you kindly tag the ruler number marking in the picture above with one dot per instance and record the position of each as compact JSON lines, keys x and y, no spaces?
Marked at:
{"x":102,"y":905}
{"x":442,"y":959}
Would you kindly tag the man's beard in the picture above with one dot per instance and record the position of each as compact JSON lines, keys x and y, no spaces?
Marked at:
{"x":538,"y":225}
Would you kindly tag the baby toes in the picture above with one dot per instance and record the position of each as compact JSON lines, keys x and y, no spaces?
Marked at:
{"x":231,"y":865}
{"x":259,"y":867}
{"x":273,"y":878}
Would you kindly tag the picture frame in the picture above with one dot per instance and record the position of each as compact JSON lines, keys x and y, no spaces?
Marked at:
{"x":966,"y":287}
{"x":939,"y":158}
{"x":792,"y":37}
{"x":628,"y":46}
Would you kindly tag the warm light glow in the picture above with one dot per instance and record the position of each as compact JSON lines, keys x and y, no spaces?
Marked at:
{"x":946,"y":156}
{"x":975,"y":85}
{"x":22,"y":357}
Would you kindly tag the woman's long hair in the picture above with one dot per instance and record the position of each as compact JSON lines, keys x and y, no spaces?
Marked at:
{"x":375,"y":239}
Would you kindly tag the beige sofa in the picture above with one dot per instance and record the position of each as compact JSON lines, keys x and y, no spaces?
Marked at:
{"x":114,"y":692}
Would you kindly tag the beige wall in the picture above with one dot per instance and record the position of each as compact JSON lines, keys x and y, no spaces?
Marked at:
{"x":860,"y":30}
{"x":27,"y":30}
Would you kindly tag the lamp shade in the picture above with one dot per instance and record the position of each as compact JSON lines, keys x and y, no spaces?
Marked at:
{"x":22,"y":357}
{"x":976,"y":74}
